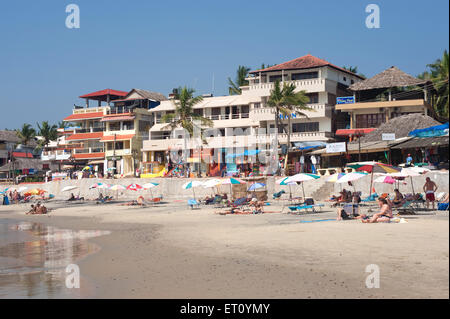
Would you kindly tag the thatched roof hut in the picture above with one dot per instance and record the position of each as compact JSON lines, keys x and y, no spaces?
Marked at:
{"x":392,"y":77}
{"x":401,"y":126}
{"x":23,"y":163}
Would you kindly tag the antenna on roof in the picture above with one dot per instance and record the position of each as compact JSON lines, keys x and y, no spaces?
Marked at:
{"x":212,"y":88}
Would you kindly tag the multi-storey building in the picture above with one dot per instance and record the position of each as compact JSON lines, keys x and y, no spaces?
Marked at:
{"x":387,"y":95}
{"x":110,"y":134}
{"x":249,"y":111}
{"x":59,"y":152}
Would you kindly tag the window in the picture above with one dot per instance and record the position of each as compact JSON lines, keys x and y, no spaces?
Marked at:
{"x":198,"y":112}
{"x":128,"y":125}
{"x":370,"y":120}
{"x":257,"y":105}
{"x":114,"y":126}
{"x":274,"y":78}
{"x":305,"y":76}
{"x":345,"y":79}
{"x":305,"y":127}
{"x":313,"y":97}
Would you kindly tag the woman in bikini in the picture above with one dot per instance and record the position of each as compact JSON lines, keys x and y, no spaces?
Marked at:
{"x":384,"y":215}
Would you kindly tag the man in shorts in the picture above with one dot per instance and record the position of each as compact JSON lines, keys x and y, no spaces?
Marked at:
{"x":430,"y":188}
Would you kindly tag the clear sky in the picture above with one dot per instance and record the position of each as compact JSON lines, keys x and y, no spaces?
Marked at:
{"x":159,"y":45}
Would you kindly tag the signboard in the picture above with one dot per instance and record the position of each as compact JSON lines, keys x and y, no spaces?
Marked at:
{"x":345,"y":100}
{"x":336,"y":147}
{"x":388,"y":136}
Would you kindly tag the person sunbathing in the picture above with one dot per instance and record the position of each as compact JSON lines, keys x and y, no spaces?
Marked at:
{"x":32,"y":210}
{"x":72,"y":197}
{"x":257,"y":206}
{"x":384,"y":215}
{"x":398,"y":200}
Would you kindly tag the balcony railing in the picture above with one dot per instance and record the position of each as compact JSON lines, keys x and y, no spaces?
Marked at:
{"x":220,"y":117}
{"x":90,"y":130}
{"x":89,"y":150}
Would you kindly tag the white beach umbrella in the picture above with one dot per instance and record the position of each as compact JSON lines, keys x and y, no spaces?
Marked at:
{"x":149,"y":186}
{"x":350,"y":177}
{"x":21,"y":189}
{"x":68,"y":188}
{"x":192,"y":184}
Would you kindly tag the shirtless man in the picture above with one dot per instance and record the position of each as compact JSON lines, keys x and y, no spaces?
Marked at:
{"x":430,"y":188}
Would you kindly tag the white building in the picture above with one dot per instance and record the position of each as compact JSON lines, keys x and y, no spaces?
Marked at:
{"x":321,"y":80}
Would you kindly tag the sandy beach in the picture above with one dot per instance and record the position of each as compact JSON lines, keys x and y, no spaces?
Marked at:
{"x":170,"y":251}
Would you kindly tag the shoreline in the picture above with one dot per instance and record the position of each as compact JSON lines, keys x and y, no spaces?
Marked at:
{"x":171,"y":252}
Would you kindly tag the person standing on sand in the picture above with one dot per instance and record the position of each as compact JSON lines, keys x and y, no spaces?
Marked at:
{"x":430,"y":188}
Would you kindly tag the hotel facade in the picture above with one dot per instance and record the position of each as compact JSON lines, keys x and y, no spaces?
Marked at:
{"x":246,"y":121}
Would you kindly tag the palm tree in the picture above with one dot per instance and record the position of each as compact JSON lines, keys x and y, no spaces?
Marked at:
{"x":241,"y":74}
{"x":26,"y":133}
{"x":48,"y":133}
{"x":184,"y":115}
{"x":287,"y":103}
{"x":62,"y":124}
{"x":439,"y":76}
{"x":353,"y":69}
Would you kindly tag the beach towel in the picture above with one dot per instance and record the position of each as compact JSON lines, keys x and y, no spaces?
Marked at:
{"x":316,"y":220}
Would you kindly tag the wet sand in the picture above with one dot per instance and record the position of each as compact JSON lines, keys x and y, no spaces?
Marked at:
{"x":170,"y":251}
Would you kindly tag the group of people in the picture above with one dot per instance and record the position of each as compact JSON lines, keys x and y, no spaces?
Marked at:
{"x":37,"y":209}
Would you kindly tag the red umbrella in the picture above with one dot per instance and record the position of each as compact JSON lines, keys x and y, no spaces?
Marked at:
{"x":134,"y":187}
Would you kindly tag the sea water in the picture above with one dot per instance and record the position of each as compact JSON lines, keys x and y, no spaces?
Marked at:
{"x":34,"y":257}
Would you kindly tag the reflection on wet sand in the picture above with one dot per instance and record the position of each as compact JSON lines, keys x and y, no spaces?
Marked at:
{"x":33,"y":258}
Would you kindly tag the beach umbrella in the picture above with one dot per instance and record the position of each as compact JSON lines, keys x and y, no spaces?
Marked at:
{"x":351,"y":177}
{"x":256,"y":186}
{"x":86,"y":168}
{"x":333,"y":178}
{"x":302,"y":177}
{"x":284,"y":181}
{"x":68,"y":188}
{"x":134,"y":187}
{"x":384,"y":179}
{"x":212,"y":183}
{"x":373,"y":167}
{"x":410,"y":172}
{"x":117,"y":187}
{"x":192,"y":184}
{"x":21,"y":189}
{"x":231,"y":181}
{"x":150,"y":186}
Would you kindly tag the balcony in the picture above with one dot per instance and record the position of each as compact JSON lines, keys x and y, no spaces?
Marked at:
{"x":118,"y":152}
{"x":88,"y":150}
{"x":309,"y":85}
{"x":89,"y":130}
{"x":234,"y":141}
{"x":58,"y":156}
{"x":268,"y":113}
{"x":220,"y":117}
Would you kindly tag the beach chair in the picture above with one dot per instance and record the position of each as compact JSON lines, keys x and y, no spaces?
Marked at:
{"x":406,"y":209}
{"x":192,"y":203}
{"x":278,"y":195}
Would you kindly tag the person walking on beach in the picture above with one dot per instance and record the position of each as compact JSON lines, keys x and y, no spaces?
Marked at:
{"x":430,"y":188}
{"x":409,"y":161}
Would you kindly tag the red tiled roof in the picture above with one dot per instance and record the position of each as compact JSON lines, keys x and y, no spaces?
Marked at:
{"x":346,"y":132}
{"x":22,"y":154}
{"x":108,"y":138}
{"x":84,"y":116}
{"x":101,"y":93}
{"x":85,"y":136}
{"x":304,"y":62}
{"x":88,"y":155}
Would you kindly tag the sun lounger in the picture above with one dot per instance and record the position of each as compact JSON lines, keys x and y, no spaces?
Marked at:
{"x":306,"y":208}
{"x":193,"y":203}
{"x":406,"y":209}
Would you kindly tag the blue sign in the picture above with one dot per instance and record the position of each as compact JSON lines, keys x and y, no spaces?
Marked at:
{"x":345,"y":100}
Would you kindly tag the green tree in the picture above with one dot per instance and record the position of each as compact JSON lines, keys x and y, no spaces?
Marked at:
{"x":26,"y":133}
{"x":184,"y":115}
{"x":62,"y":124}
{"x":287,"y":103}
{"x":241,"y":74}
{"x":47,"y":132}
{"x":439,"y":76}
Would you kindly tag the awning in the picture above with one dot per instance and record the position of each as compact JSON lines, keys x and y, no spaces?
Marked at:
{"x":357,"y":131}
{"x":96,"y":162}
{"x":433,"y":131}
{"x":110,"y":138}
{"x":426,"y":142}
{"x":84,"y":136}
{"x":246,"y":153}
{"x":84,"y":116}
{"x":118,"y":118}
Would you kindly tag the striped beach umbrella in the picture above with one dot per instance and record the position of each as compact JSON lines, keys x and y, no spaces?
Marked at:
{"x":302,"y":177}
{"x":192,"y":184}
{"x":373,"y":167}
{"x":149,"y":186}
{"x":134,"y":187}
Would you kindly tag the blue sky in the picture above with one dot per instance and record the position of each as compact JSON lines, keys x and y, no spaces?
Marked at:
{"x":159,"y":45}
